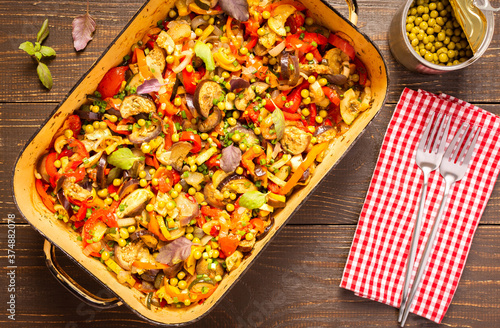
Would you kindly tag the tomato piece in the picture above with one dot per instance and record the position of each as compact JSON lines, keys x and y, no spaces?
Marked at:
{"x":228,"y":244}
{"x":75,"y":124}
{"x":210,"y":211}
{"x":112,"y":81}
{"x":258,"y":224}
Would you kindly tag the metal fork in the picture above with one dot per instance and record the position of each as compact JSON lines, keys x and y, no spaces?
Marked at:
{"x":430,"y":151}
{"x":453,"y":166}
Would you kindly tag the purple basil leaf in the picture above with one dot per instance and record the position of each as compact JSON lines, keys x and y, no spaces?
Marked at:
{"x":176,"y":251}
{"x":238,"y":9}
{"x":238,"y":83}
{"x":148,"y":86}
{"x":231,"y":157}
{"x":83,"y":27}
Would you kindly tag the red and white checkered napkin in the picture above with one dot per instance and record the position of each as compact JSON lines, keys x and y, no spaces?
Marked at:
{"x":376,"y":265}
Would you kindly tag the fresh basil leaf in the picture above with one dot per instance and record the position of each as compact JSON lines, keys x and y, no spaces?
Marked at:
{"x":175,"y":252}
{"x":38,"y":46}
{"x":238,"y":9}
{"x":44,"y":32}
{"x":151,"y":85}
{"x":83,"y":28}
{"x":38,"y":55}
{"x":202,"y":50}
{"x":279,"y":123}
{"x":123,"y":158}
{"x":252,"y":199}
{"x":28,"y":47}
{"x":44,"y":75}
{"x":231,"y":157}
{"x":47,"y":51}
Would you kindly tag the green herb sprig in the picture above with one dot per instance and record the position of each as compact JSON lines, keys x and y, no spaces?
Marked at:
{"x":38,"y":52}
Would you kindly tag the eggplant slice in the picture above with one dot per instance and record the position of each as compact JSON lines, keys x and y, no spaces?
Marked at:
{"x":134,"y":104}
{"x":211,"y":122}
{"x":206,"y":92}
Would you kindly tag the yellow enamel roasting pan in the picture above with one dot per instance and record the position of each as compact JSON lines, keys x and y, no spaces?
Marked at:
{"x":57,"y":234}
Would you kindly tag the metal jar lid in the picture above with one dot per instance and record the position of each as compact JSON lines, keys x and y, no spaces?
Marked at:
{"x":476,"y":19}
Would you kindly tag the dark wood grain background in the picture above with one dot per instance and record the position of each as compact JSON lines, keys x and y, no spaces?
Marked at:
{"x":295,"y":281}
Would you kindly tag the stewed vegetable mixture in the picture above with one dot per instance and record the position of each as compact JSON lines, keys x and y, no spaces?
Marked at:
{"x":173,"y":169}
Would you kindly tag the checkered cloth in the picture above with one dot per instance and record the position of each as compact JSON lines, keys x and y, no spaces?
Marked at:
{"x":376,"y":265}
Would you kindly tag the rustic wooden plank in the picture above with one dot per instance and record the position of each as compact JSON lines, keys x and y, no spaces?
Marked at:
{"x":338,"y":199}
{"x":294,"y":283}
{"x":21,"y":19}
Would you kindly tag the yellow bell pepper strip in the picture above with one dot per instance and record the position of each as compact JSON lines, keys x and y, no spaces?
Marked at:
{"x":143,"y":66}
{"x":117,"y":269}
{"x":163,"y":227}
{"x":248,"y":157}
{"x":226,"y":60}
{"x":154,"y":227}
{"x":206,"y":32}
{"x":190,"y":263}
{"x":150,"y":266}
{"x":182,"y":7}
{"x":229,"y":32}
{"x":311,"y":156}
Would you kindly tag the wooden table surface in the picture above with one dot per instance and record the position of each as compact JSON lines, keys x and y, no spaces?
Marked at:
{"x":295,"y":281}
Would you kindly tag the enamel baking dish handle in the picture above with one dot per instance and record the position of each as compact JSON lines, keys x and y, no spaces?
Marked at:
{"x":353,"y":11}
{"x":71,"y":285}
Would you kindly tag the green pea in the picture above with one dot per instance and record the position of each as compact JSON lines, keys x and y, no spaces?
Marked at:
{"x":418,"y":20}
{"x":443,"y":58}
{"x":451,"y":45}
{"x":437,"y":28}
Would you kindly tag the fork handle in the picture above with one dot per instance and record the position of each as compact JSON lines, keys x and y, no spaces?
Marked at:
{"x":414,"y":243}
{"x":427,"y":251}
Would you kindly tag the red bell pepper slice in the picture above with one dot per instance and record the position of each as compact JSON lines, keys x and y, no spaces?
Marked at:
{"x":46,"y":199}
{"x":152,"y":161}
{"x":292,"y":116}
{"x":80,"y":152}
{"x":82,"y":212}
{"x":361,"y":69}
{"x":302,"y":41}
{"x":189,"y":79}
{"x":342,"y":44}
{"x":313,"y":111}
{"x":295,"y":98}
{"x":112,"y":81}
{"x":228,"y":244}
{"x":252,"y":43}
{"x":193,"y":138}
{"x":213,"y":162}
{"x":332,"y":95}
